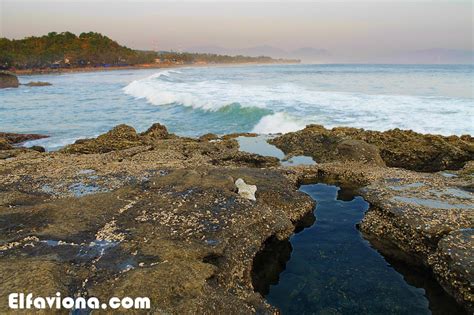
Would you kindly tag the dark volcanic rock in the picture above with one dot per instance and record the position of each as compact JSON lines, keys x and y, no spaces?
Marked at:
{"x":398,"y":148}
{"x":8,"y":80}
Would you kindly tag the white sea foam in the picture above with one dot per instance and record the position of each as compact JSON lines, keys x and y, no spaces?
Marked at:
{"x":296,"y":105}
{"x":278,"y":123}
{"x":267,"y":99}
{"x":165,"y":73}
{"x":205,"y":95}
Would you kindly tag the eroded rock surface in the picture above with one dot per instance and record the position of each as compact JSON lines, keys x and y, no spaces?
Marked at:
{"x":9,"y":144}
{"x":421,"y":216}
{"x":155,"y":215}
{"x":128,"y":213}
{"x":397,"y":148}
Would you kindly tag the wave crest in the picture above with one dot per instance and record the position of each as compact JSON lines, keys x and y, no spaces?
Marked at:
{"x":302,"y":102}
{"x":163,"y":88}
{"x":278,"y":123}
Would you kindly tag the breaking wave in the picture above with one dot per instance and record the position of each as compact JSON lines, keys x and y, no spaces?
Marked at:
{"x":283,"y":104}
{"x":278,"y":123}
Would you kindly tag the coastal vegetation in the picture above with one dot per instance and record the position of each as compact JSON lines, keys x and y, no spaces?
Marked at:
{"x":67,"y":50}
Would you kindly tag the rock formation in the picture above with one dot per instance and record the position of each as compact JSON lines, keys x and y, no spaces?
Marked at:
{"x":128,"y":214}
{"x":8,"y":80}
{"x":397,"y":148}
{"x":38,"y":83}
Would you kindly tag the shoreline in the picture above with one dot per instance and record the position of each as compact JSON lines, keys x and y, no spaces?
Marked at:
{"x":24,"y":72}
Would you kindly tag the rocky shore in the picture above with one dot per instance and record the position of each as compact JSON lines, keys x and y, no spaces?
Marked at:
{"x":393,"y":148}
{"x":169,"y":217}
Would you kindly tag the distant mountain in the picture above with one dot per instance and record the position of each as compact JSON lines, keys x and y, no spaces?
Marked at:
{"x":433,"y":56}
{"x":310,"y":54}
{"x":319,"y":55}
{"x":209,"y":50}
{"x":264,"y":50}
{"x":306,"y":54}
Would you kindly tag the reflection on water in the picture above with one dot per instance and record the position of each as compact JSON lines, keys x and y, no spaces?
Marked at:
{"x":259,"y":145}
{"x":334,"y":270}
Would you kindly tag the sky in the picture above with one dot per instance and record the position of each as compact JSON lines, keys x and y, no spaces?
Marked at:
{"x":352,"y":31}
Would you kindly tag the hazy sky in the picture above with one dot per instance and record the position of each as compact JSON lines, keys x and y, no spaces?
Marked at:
{"x":355,"y":30}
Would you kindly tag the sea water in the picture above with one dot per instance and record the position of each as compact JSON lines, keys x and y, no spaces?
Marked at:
{"x":263,"y":99}
{"x":334,"y":270}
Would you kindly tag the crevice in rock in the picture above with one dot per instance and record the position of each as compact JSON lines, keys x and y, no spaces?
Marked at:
{"x":213,"y":259}
{"x":270,"y":261}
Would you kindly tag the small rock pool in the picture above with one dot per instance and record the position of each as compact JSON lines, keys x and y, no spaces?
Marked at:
{"x":329,"y":268}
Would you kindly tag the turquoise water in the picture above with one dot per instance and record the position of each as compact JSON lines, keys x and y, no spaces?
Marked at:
{"x":333,"y":270}
{"x":263,"y":99}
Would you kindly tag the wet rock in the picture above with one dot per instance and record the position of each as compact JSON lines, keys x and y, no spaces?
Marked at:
{"x":8,"y":80}
{"x":453,"y":264}
{"x":398,"y":148}
{"x":37,"y":148}
{"x":181,"y":231}
{"x":38,"y":83}
{"x":15,"y":138}
{"x":420,"y":215}
{"x":239,"y":134}
{"x":246,"y":191}
{"x":410,"y":215}
{"x":208,"y":137}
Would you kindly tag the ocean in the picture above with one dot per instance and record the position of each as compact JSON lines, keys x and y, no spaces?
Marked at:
{"x":436,"y":99}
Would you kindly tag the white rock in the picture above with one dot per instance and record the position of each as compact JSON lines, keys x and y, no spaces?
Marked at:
{"x":245,"y":190}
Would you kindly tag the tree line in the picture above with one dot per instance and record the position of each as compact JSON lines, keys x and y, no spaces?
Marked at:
{"x":59,"y":50}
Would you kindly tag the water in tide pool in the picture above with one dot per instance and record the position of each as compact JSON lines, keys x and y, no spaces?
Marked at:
{"x":262,"y":99}
{"x":333,"y":270}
